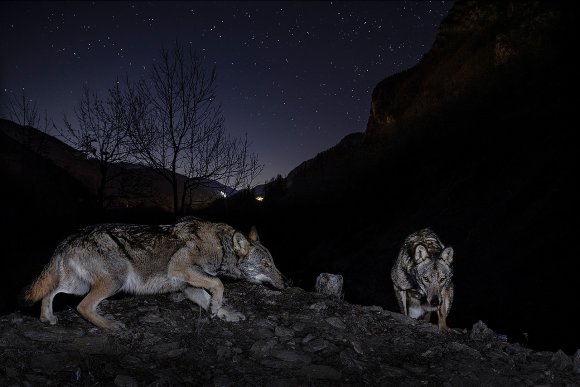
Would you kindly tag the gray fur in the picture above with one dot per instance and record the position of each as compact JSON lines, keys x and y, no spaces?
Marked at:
{"x":422,"y":277}
{"x":187,"y":256}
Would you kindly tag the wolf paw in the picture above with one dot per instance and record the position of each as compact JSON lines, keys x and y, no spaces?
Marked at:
{"x":230,"y":315}
{"x":52,"y":320}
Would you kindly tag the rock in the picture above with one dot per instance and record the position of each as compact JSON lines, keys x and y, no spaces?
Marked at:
{"x":318,"y":371}
{"x":329,"y":285}
{"x":125,"y":381}
{"x":319,"y":306}
{"x":223,"y":352}
{"x":454,"y":346}
{"x":358,"y":347}
{"x":561,"y":361}
{"x":336,"y":322}
{"x":348,"y":360}
{"x":262,"y":347}
{"x":284,"y":332}
{"x":480,"y":332}
{"x":291,"y":356}
{"x":315,"y":345}
{"x":298,"y":327}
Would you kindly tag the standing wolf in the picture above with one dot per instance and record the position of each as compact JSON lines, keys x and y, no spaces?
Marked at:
{"x":422,"y":277}
{"x":105,"y":259}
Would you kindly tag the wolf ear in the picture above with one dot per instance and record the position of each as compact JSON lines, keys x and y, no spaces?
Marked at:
{"x":447,"y":255}
{"x":253,"y":235}
{"x":241,"y":244}
{"x":420,"y":254}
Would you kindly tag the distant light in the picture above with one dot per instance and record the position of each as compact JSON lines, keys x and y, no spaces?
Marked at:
{"x":259,"y":198}
{"x":223,"y":194}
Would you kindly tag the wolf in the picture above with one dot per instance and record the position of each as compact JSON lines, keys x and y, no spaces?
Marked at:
{"x":105,"y":259}
{"x":422,"y":277}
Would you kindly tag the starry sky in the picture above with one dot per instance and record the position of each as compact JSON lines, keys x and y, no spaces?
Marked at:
{"x":295,"y":76}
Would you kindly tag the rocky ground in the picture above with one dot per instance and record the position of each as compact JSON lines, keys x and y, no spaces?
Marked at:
{"x":289,"y":338}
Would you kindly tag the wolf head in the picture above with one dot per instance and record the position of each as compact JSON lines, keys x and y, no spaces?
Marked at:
{"x":256,"y":263}
{"x":433,"y":273}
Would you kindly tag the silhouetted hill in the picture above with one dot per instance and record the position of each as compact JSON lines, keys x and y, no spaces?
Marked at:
{"x":478,"y":142}
{"x":133,"y":185}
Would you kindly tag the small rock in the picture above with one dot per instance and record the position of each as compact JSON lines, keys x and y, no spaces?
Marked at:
{"x":318,"y":371}
{"x":329,"y":285}
{"x":292,"y":356}
{"x":223,"y":352}
{"x":174,"y":353}
{"x":561,"y":361}
{"x":348,"y":360}
{"x":262,"y":347}
{"x":358,"y":347}
{"x":307,"y":338}
{"x":576,"y":362}
{"x":462,"y":348}
{"x":177,"y":297}
{"x":480,"y":332}
{"x":319,"y":306}
{"x":283,"y":332}
{"x":336,"y":322}
{"x":125,"y":381}
{"x":315,"y":345}
{"x":374,"y":308}
{"x":298,"y":327}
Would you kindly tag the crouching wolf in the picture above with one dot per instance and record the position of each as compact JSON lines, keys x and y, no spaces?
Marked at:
{"x":187,"y":256}
{"x":422,"y":277}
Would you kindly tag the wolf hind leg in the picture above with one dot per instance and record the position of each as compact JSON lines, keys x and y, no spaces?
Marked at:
{"x":198,"y":296}
{"x":100,"y":290}
{"x":46,"y":312}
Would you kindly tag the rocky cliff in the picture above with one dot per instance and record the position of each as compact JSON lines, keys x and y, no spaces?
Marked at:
{"x":477,"y":142}
{"x":289,"y":338}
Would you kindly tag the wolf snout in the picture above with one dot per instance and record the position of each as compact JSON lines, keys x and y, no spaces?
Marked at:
{"x":435,"y":302}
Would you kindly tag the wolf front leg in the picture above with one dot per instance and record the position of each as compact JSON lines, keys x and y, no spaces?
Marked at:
{"x":199,"y":279}
{"x":401,"y":296}
{"x":445,"y":307}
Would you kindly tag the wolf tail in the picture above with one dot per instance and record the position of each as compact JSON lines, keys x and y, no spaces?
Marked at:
{"x":44,"y":284}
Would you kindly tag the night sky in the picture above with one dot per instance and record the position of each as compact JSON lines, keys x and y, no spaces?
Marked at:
{"x":295,"y":76}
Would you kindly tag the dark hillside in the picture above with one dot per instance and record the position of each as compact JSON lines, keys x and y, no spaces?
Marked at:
{"x":478,"y":141}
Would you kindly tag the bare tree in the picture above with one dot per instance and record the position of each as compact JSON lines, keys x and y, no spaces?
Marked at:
{"x":102,"y":128}
{"x":214,"y":156}
{"x":183,"y":129}
{"x":24,"y":111}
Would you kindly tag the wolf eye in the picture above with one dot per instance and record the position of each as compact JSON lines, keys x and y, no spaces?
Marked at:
{"x":425,"y":278}
{"x":443,"y":279}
